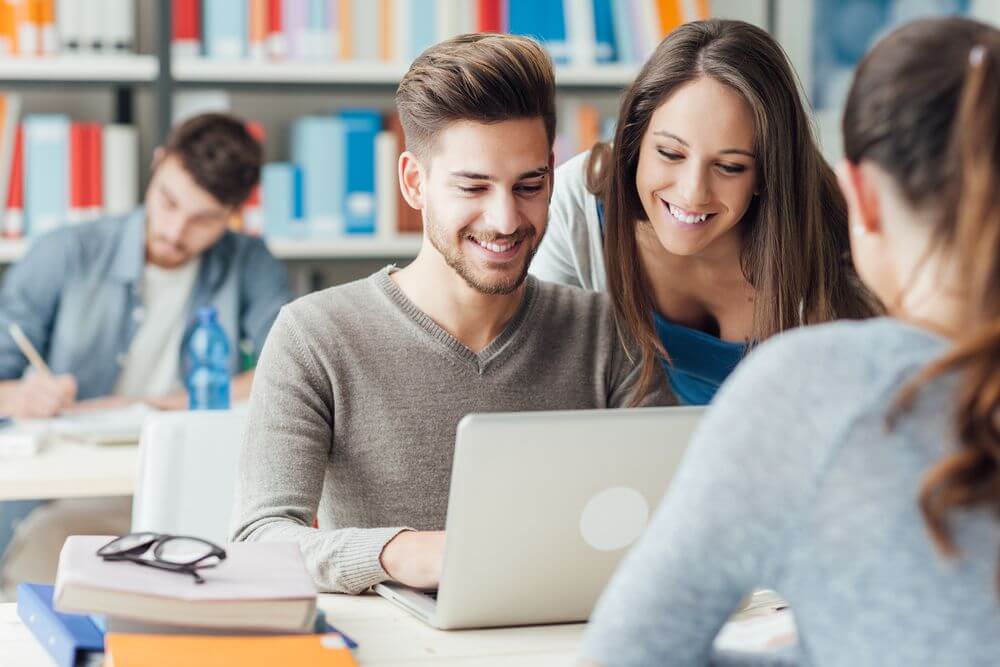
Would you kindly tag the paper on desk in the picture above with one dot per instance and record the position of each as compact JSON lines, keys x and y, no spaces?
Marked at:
{"x":103,"y":427}
{"x":765,"y":632}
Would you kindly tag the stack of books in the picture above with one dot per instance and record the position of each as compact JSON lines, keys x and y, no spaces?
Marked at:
{"x":259,"y":597}
{"x":49,"y":27}
{"x":54,"y":170}
{"x":576,"y":32}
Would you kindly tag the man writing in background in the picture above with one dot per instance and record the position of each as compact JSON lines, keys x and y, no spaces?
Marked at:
{"x":108,"y":304}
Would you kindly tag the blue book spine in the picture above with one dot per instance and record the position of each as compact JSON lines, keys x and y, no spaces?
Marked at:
{"x":64,"y":636}
{"x":623,"y":31}
{"x":224,"y":27}
{"x":46,"y":172}
{"x":423,"y":27}
{"x":604,"y":31}
{"x":360,"y":129}
{"x":544,"y":20}
{"x":318,"y":149}
{"x":280,"y":199}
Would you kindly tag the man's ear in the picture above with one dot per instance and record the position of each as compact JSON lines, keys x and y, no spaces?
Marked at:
{"x":411,"y":180}
{"x":857,"y":183}
{"x":158,"y":154}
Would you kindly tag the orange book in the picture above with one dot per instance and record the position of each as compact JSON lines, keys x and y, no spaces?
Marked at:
{"x":8,"y":29}
{"x":138,"y":650}
{"x":346,"y":34}
{"x":671,"y":15}
{"x":386,"y":21}
{"x":258,"y":29}
{"x":589,"y":119}
{"x":25,"y":31}
{"x":704,"y":10}
{"x":45,"y":19}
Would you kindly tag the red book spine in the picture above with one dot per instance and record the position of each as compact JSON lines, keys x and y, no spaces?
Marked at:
{"x":95,"y":169}
{"x":186,"y":28}
{"x":275,"y":41}
{"x":13,"y":226}
{"x":77,"y":172}
{"x":489,"y":16}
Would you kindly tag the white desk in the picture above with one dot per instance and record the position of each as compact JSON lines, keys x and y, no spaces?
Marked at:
{"x":389,"y":637}
{"x":69,"y":470}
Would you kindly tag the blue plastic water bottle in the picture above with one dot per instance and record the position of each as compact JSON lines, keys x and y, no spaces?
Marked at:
{"x":206,"y":363}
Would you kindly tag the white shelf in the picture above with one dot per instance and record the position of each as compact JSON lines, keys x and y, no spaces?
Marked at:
{"x":112,"y":68}
{"x":345,"y":248}
{"x":252,"y":71}
{"x":11,"y":251}
{"x":204,"y":70}
{"x":342,"y":248}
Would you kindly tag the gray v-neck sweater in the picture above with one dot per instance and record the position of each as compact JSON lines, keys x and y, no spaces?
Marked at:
{"x":357,"y":396}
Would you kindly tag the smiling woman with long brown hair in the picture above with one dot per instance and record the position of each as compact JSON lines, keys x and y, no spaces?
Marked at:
{"x":854,"y":467}
{"x":712,"y":220}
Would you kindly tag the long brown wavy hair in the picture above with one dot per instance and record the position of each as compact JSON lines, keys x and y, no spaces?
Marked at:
{"x":925,"y":107}
{"x":796,"y":251}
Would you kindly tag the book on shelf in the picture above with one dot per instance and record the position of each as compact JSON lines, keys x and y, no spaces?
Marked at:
{"x":55,"y":171}
{"x":576,"y":32}
{"x":48,"y":27}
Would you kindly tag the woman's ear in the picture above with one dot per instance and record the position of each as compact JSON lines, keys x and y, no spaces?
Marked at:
{"x":858,"y":186}
{"x":411,"y":180}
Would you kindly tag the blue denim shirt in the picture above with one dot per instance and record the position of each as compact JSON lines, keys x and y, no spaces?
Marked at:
{"x":77,"y":296}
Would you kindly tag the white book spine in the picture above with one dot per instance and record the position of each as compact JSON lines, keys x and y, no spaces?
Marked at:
{"x":121,"y":168}
{"x":386,"y":185}
{"x":90,"y":27}
{"x":119,"y":26}
{"x":580,"y":28}
{"x":69,"y":16}
{"x":446,"y":13}
{"x":649,"y":27}
{"x":403,"y":19}
{"x":27,"y":39}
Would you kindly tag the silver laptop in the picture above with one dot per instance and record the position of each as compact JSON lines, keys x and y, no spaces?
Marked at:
{"x":542,"y":507}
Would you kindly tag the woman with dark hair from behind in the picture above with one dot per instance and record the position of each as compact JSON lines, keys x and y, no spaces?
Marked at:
{"x":712,"y":220}
{"x":854,"y":467}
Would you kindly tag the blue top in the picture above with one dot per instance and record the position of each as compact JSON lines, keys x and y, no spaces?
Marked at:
{"x":77,"y":297}
{"x":792,"y":482}
{"x":699,"y":362}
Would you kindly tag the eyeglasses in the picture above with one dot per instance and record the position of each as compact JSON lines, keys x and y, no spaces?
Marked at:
{"x":175,"y":553}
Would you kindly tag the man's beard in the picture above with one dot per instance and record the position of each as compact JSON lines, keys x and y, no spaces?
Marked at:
{"x":458,"y":261}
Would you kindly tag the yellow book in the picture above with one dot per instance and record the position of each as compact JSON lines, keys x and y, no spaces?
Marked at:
{"x":138,"y":650}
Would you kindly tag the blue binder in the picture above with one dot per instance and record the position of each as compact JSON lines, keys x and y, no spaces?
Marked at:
{"x":68,"y":638}
{"x":361,"y":126}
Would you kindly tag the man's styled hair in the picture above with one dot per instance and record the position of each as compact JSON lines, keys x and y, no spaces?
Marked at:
{"x":219,"y":152}
{"x":483,"y":77}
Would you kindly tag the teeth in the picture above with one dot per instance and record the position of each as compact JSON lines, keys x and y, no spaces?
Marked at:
{"x":684,"y":217}
{"x":495,"y":247}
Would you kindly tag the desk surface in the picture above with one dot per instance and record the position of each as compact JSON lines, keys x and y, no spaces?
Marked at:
{"x":390,"y":637}
{"x":70,"y":470}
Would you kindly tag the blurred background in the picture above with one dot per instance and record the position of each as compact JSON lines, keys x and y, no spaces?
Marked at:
{"x":88,"y":88}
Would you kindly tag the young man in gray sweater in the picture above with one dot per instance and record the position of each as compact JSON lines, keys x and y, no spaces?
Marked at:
{"x":360,"y":387}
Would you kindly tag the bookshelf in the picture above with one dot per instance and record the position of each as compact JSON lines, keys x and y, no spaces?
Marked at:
{"x":204,"y":71}
{"x":157,"y":76}
{"x":109,"y":69}
{"x":293,"y":249}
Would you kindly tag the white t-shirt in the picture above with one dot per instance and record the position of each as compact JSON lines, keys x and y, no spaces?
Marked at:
{"x":152,"y":365}
{"x":572,"y":251}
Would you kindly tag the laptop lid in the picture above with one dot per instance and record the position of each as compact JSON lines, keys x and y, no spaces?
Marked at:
{"x":543,"y":505}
